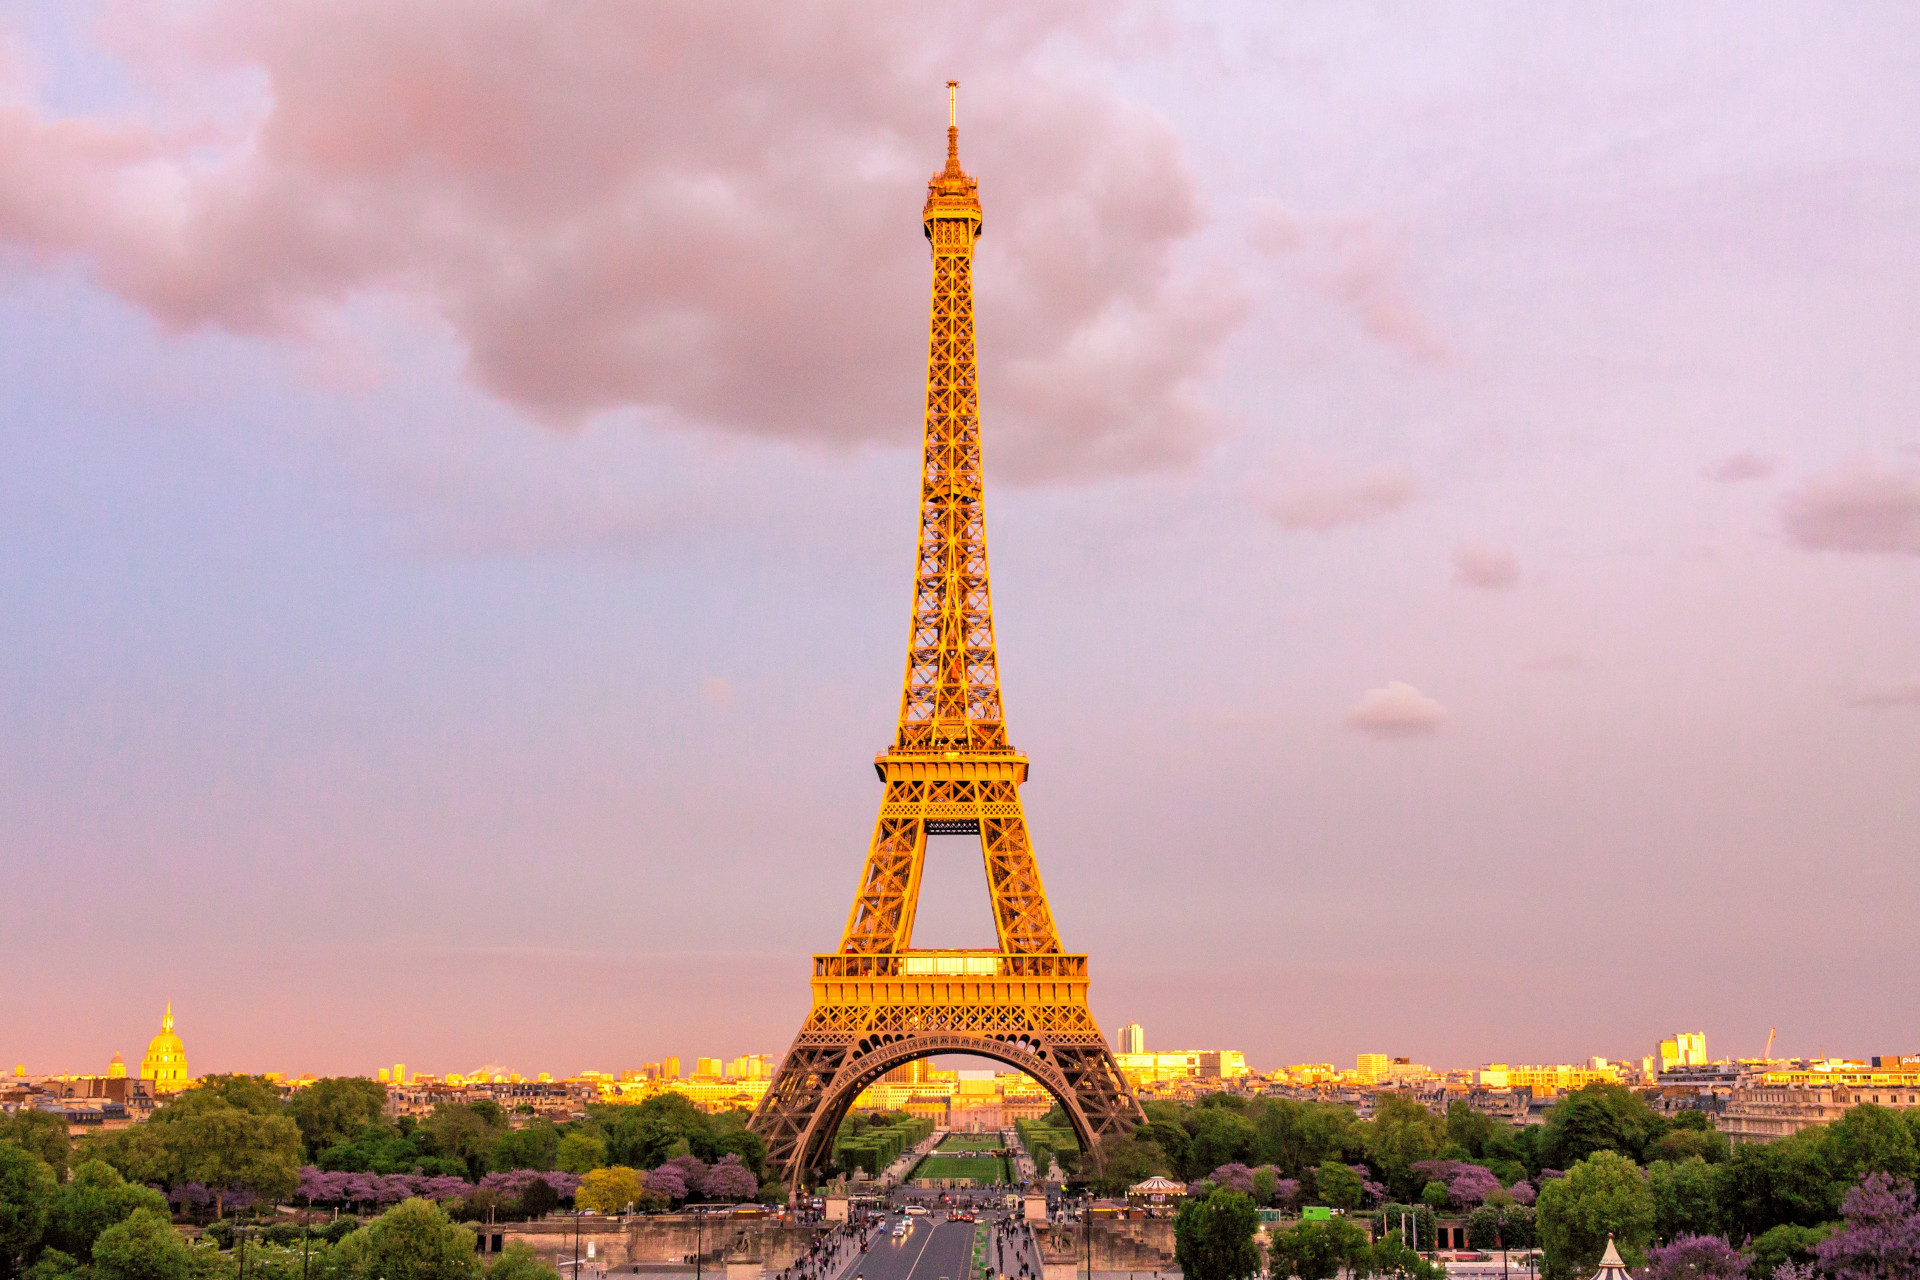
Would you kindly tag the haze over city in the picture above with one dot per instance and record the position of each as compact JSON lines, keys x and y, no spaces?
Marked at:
{"x":1454,"y":493}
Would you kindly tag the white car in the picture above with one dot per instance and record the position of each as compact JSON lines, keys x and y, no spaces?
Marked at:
{"x":917,"y":1210}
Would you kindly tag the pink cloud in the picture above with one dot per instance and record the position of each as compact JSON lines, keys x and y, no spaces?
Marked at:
{"x":1861,"y":508}
{"x":1395,"y":710}
{"x":1351,"y":262}
{"x":1489,"y":568}
{"x":1744,"y":465}
{"x":1320,"y":504}
{"x":706,"y":209}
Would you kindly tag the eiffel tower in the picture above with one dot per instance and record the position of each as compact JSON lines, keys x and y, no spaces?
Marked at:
{"x":878,"y":1002}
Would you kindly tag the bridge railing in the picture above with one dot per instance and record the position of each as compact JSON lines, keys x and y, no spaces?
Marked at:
{"x":950,"y":964}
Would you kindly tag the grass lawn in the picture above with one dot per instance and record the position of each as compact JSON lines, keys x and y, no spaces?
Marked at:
{"x":979,"y":1168}
{"x":971,"y":1142}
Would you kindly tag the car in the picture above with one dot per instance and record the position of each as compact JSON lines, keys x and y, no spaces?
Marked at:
{"x":917,"y":1210}
{"x":900,"y":1228}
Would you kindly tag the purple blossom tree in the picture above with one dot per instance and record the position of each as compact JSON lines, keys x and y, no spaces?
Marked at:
{"x":1286,"y":1191}
{"x":189,"y":1197}
{"x":667,"y":1181}
{"x":1234,"y":1177}
{"x":1696,"y":1258}
{"x":1879,"y":1237}
{"x":1523,"y":1193}
{"x":730,"y":1179}
{"x":1470,"y":1185}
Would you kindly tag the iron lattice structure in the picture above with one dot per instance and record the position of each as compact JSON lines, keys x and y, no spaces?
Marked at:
{"x":877,"y":1002}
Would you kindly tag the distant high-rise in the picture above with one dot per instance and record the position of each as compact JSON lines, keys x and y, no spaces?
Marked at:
{"x":1133,"y":1039}
{"x":1686,"y":1049}
{"x":706,"y":1066}
{"x":399,"y":1073}
{"x":669,"y":1068}
{"x":1370,"y":1066}
{"x":384,"y":1076}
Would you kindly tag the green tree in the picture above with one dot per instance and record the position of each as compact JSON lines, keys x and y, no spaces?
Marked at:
{"x":1871,"y":1139}
{"x":1764,"y":1184}
{"x":413,"y":1240}
{"x":1682,"y":1144}
{"x":1782,"y":1244}
{"x":467,"y":1131}
{"x":27,"y":1193}
{"x":535,"y":1147}
{"x":1401,"y":1134}
{"x":55,"y":1265}
{"x":143,"y":1247}
{"x":224,"y":1146}
{"x":1599,"y":1117}
{"x":1496,"y":1226}
{"x":1126,"y":1159}
{"x":1317,"y":1250}
{"x":95,"y":1198}
{"x":1434,"y":1195}
{"x":1474,"y":1132}
{"x":1220,"y":1136}
{"x":257,"y":1094}
{"x":1602,"y":1195}
{"x":1338,"y":1185}
{"x":579,"y":1153}
{"x":336,"y":1110}
{"x":1213,"y":1236}
{"x":41,"y":1132}
{"x":1683,"y":1199}
{"x":1390,"y":1257}
{"x":518,"y":1261}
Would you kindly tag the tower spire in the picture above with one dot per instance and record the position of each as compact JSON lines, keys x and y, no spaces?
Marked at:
{"x":953,"y":127}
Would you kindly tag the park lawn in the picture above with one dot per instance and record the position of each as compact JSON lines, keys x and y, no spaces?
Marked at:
{"x":972,"y":1142}
{"x":979,"y":1168}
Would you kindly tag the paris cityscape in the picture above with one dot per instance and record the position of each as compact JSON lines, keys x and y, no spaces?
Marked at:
{"x":1457,"y":504}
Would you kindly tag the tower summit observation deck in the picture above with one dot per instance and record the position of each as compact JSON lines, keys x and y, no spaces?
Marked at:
{"x":878,"y":1002}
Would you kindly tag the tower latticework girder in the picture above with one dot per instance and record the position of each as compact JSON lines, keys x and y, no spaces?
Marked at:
{"x":877,"y":1002}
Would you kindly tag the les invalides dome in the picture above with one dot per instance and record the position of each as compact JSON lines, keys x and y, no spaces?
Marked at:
{"x":166,"y":1060}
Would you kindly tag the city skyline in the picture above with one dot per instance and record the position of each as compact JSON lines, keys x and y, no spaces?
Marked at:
{"x":1456,"y":492}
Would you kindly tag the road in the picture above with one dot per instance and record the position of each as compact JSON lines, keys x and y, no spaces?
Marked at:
{"x":933,"y":1249}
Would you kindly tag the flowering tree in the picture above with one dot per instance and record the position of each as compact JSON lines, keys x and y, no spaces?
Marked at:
{"x":1696,"y":1258}
{"x":1286,"y":1191}
{"x":730,"y":1179}
{"x":1234,"y":1177}
{"x":667,"y":1181}
{"x":1879,"y":1238}
{"x":1470,"y":1185}
{"x":1523,"y":1193}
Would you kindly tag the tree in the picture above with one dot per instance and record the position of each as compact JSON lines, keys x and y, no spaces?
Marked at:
{"x":608,"y":1190}
{"x":1696,"y":1258}
{"x":144,"y":1247}
{"x":1220,"y":1136}
{"x":1500,"y":1227}
{"x":518,"y":1261}
{"x":1683,"y":1198}
{"x":1401,"y":1134}
{"x":1317,"y":1250}
{"x":1434,"y":1195}
{"x":246,"y":1093}
{"x":26,"y":1203}
{"x":730,"y":1179}
{"x":1871,"y":1139}
{"x":578,"y":1153}
{"x":1126,"y":1159}
{"x":1784,"y":1244}
{"x":223,"y":1147}
{"x":1879,"y":1236}
{"x":412,"y":1241}
{"x":535,"y":1147}
{"x":1599,"y":1117}
{"x":1338,"y":1185}
{"x":1763,"y":1184}
{"x":95,"y":1198}
{"x":1390,"y":1257}
{"x":1682,"y":1144}
{"x":467,"y":1131}
{"x":335,"y":1111}
{"x":1474,"y":1132}
{"x":1213,"y":1236}
{"x":1602,"y":1195}
{"x":41,"y":1132}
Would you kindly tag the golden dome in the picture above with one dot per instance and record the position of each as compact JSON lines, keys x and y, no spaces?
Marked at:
{"x":117,"y":1069}
{"x":166,"y":1060}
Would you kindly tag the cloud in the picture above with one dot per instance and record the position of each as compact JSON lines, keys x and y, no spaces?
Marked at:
{"x":702,"y":208}
{"x":1396,"y":710}
{"x":1744,"y":465}
{"x":1884,"y":699}
{"x":1861,"y":508}
{"x":1322,"y":504}
{"x":1353,"y":263}
{"x":1489,"y":568}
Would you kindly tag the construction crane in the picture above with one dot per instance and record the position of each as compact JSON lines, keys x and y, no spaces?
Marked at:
{"x":1768,"y":1055}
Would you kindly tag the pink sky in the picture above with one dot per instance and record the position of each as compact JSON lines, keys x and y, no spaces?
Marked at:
{"x":1454,"y":487}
